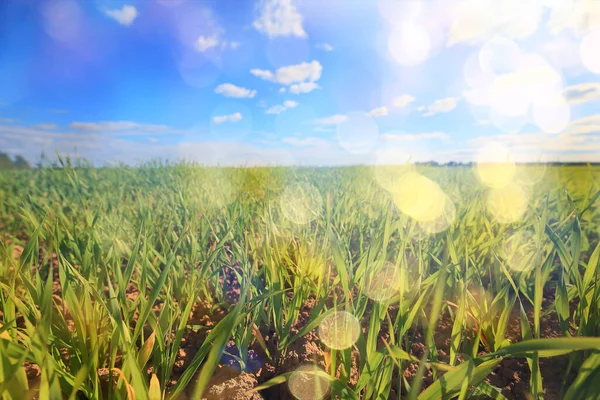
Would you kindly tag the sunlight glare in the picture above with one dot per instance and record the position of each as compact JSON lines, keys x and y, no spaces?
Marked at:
{"x":339,"y":330}
{"x":409,"y":43}
{"x":508,"y":204}
{"x":443,"y":221}
{"x":358,"y":133}
{"x":520,"y":251}
{"x":301,"y":203}
{"x":382,"y":282}
{"x":305,"y":383}
{"x":418,"y":197}
{"x":495,"y":166}
{"x":590,"y":51}
{"x":552,"y":114}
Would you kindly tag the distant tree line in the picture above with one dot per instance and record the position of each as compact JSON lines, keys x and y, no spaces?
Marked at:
{"x":19,"y":162}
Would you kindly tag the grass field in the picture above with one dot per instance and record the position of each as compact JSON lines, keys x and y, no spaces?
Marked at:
{"x":179,"y":281}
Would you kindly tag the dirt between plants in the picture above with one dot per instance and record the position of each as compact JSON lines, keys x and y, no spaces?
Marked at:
{"x":229,"y":382}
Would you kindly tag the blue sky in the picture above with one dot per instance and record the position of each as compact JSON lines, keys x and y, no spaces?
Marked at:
{"x":299,"y":82}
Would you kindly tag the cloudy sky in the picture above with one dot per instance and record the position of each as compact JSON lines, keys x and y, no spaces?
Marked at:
{"x":300,"y":82}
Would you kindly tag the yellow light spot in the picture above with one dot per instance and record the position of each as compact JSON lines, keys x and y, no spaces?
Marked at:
{"x":443,"y":221}
{"x":495,"y":166}
{"x":520,"y":251}
{"x":308,"y":383}
{"x":418,"y":197}
{"x":382,"y":282}
{"x":508,"y":204}
{"x":339,"y":330}
{"x":530,"y":174}
{"x":301,"y":203}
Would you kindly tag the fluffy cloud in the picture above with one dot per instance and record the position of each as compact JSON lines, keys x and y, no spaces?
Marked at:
{"x":579,"y":16}
{"x":331,"y":120}
{"x":304,"y":87}
{"x":412,"y":137}
{"x":227,"y":118}
{"x":582,"y":92}
{"x":325,"y":47}
{"x":231,"y":90}
{"x":403,"y":100}
{"x":475,"y":21}
{"x":303,"y":72}
{"x":441,"y":106}
{"x":279,"y":18}
{"x":204,"y":43}
{"x":124,"y":15}
{"x":378,"y":112}
{"x":577,"y":142}
{"x":278,"y":109}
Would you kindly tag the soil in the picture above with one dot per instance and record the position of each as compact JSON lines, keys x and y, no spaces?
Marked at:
{"x":229,"y":382}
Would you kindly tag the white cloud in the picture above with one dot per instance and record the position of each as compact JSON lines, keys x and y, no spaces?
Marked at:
{"x":227,"y":118}
{"x":47,"y":126}
{"x":297,"y":142}
{"x":304,"y":87}
{"x":475,"y":21}
{"x":325,"y":47}
{"x":412,"y":137}
{"x":441,"y":106}
{"x":306,"y":71}
{"x":204,"y":43}
{"x":123,"y":128}
{"x":563,"y":52}
{"x":378,"y":112}
{"x":331,"y":120}
{"x":278,"y":109}
{"x":231,"y":90}
{"x":279,"y":18}
{"x":578,"y":16}
{"x":124,"y":16}
{"x":403,"y":100}
{"x":583,"y":92}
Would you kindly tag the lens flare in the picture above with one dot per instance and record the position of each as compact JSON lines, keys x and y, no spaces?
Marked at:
{"x":443,"y":221}
{"x":339,"y":330}
{"x":588,"y":50}
{"x":391,"y":166}
{"x":308,"y":383}
{"x":358,"y":133}
{"x":62,"y":20}
{"x":508,"y":203}
{"x":301,"y":203}
{"x":409,"y":43}
{"x":531,"y":174}
{"x":382,"y":282}
{"x":499,"y":56}
{"x":520,"y":251}
{"x":552,"y":115}
{"x":418,"y":197}
{"x":494,"y":166}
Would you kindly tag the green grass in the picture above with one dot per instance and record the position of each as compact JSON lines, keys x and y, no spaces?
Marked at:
{"x":171,"y":233}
